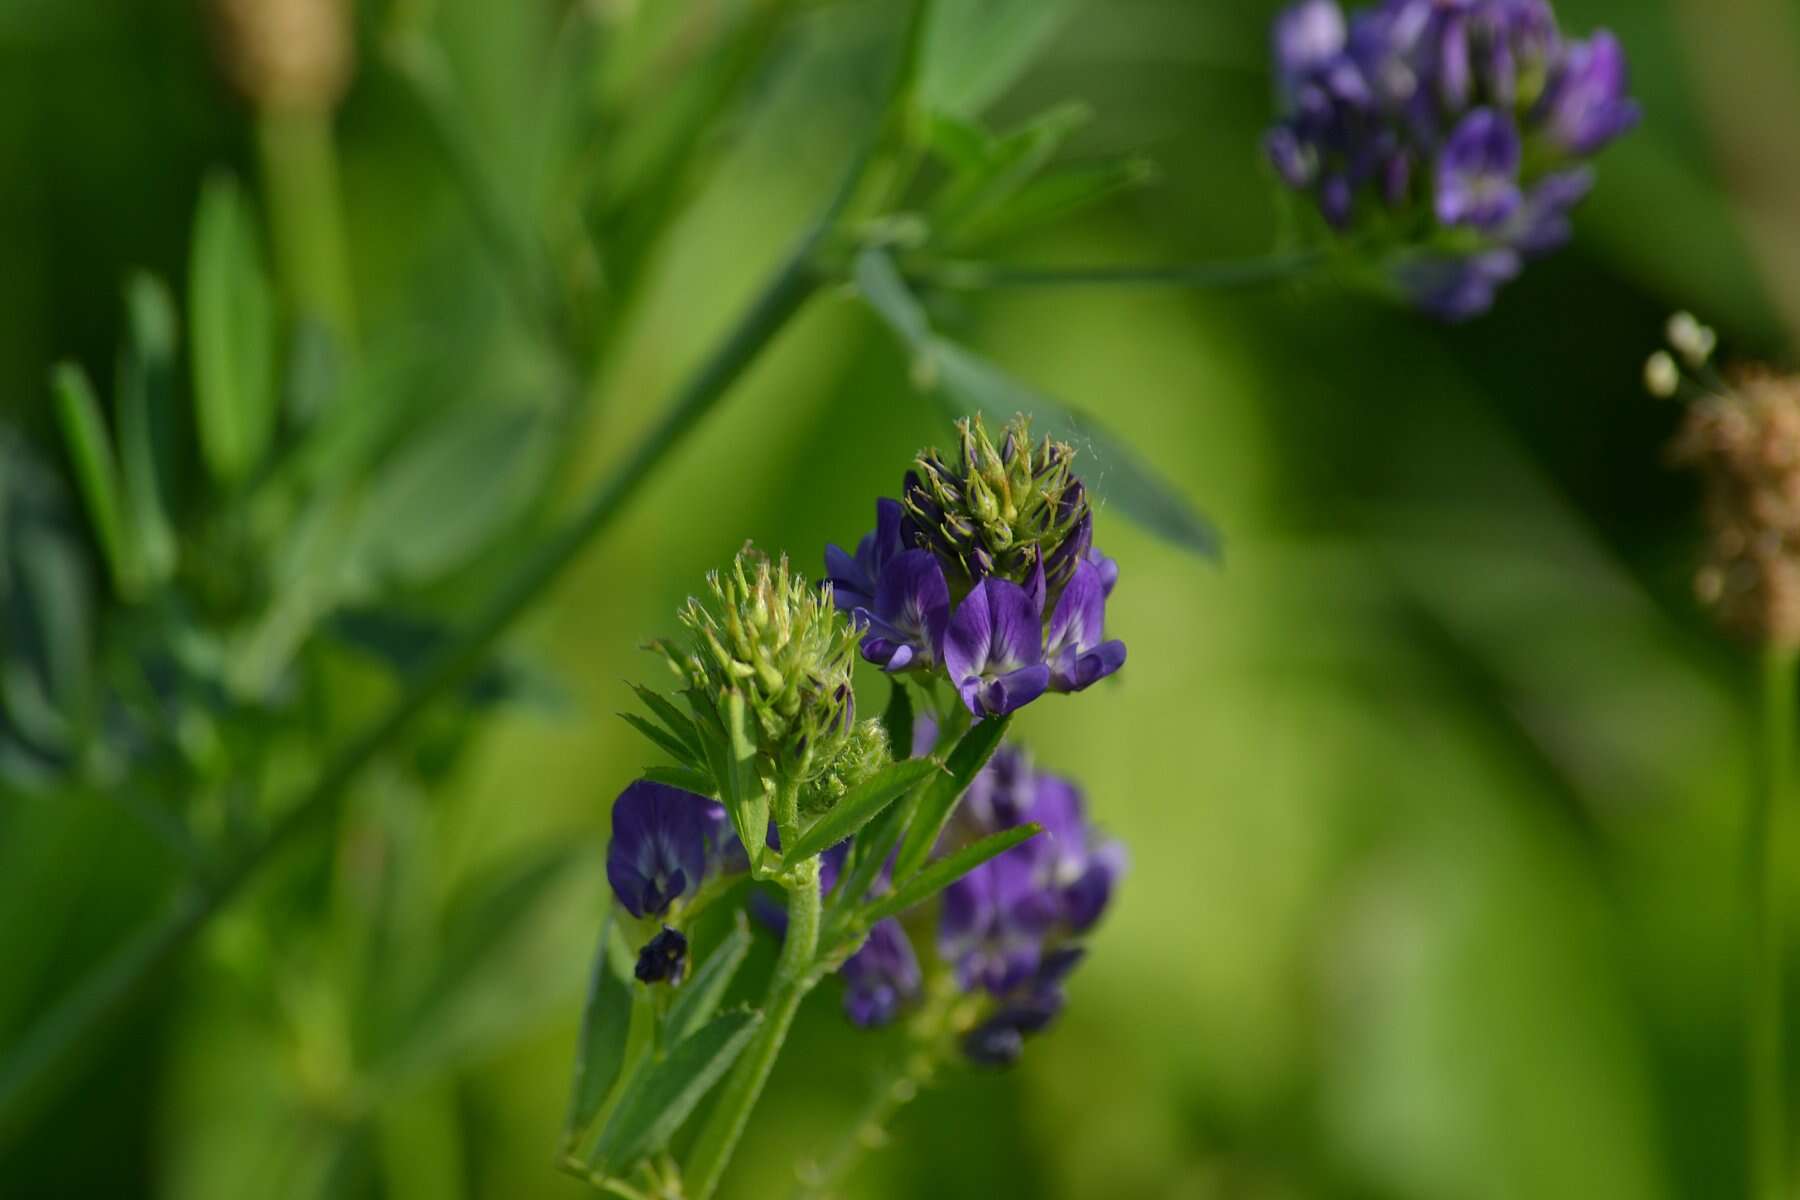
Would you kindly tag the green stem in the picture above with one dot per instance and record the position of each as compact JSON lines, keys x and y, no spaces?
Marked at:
{"x":1249,"y":272}
{"x":795,"y":974}
{"x":1768,"y":1111}
{"x":299,"y":167}
{"x":107,"y":988}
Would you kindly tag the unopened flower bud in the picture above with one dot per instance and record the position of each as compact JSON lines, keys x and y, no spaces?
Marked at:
{"x":1662,"y":378}
{"x":664,"y":958}
{"x":287,"y":55}
{"x":1692,"y":340}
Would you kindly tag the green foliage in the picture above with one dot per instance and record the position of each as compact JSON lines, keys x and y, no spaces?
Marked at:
{"x":231,"y":309}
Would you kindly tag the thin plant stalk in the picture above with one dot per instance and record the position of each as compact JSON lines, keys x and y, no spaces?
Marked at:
{"x":958,"y":275}
{"x":300,"y":176}
{"x":796,"y":974}
{"x":1767,"y":1125}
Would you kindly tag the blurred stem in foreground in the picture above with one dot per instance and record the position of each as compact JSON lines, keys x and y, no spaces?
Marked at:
{"x":300,"y":178}
{"x":1763,"y":864}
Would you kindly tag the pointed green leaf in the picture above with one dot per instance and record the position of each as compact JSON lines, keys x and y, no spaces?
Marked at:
{"x":668,"y":1092}
{"x":600,"y":1053}
{"x":1012,"y":163}
{"x":233,"y":332}
{"x":1055,"y":197}
{"x":96,"y":471}
{"x":939,"y":797}
{"x":145,"y":412}
{"x":699,"y":997}
{"x":975,"y":49}
{"x":944,"y":872}
{"x":861,"y":804}
{"x":672,"y":717}
{"x":671,"y":744}
{"x":748,"y":801}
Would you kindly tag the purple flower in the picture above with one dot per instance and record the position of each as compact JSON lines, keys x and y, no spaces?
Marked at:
{"x":1002,"y":793}
{"x":664,"y":958}
{"x":854,"y":579}
{"x":1307,"y":36}
{"x":1542,"y":222}
{"x":662,"y":838}
{"x":993,"y":923}
{"x":994,"y":648}
{"x":882,"y":977}
{"x":999,"y":1040}
{"x":1585,"y":106}
{"x":909,"y":613}
{"x":1073,"y":864}
{"x":1075,"y":649}
{"x":1454,"y":288}
{"x":1478,"y":172}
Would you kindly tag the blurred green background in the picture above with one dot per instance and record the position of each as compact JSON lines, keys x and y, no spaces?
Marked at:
{"x":1432,"y":787}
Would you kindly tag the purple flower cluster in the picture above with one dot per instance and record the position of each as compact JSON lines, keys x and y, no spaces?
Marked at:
{"x":1461,"y":122}
{"x":1006,"y":642}
{"x":1010,"y":928}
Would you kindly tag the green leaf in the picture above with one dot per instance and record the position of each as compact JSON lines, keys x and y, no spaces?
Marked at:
{"x":654,"y":1109}
{"x":964,"y":383}
{"x":1055,"y":197}
{"x":699,"y":997}
{"x":860,"y":805}
{"x":898,"y":718}
{"x":96,"y":471}
{"x":233,"y":332}
{"x":465,"y":997}
{"x":452,"y":489}
{"x":939,"y":797}
{"x":671,"y":744}
{"x":1011,"y":163}
{"x":944,"y":872}
{"x":674,"y":720}
{"x":748,"y":800}
{"x":600,"y":1052}
{"x":974,"y":49}
{"x":145,"y":413}
{"x":407,"y":642}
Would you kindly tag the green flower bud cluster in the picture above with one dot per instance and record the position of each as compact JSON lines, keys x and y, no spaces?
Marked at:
{"x":994,"y":510}
{"x":778,"y":642}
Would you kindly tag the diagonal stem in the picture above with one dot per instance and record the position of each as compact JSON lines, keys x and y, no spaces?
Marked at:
{"x":1767,"y":1126}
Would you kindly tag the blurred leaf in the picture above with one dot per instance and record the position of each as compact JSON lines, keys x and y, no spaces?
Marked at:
{"x":233,"y":331}
{"x":944,"y":872}
{"x":144,"y":407}
{"x":699,"y":997}
{"x":964,"y":383}
{"x":468,"y":475}
{"x":939,"y":797}
{"x":466,"y":999}
{"x":1006,"y":166}
{"x":974,"y":49}
{"x":600,"y":1053}
{"x":46,"y":605}
{"x":1055,"y":197}
{"x":406,"y":642}
{"x":655,"y":1108}
{"x":862,"y":804}
{"x":96,"y":471}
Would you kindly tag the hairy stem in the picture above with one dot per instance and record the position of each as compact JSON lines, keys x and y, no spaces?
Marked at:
{"x":1763,"y":830}
{"x":795,"y":974}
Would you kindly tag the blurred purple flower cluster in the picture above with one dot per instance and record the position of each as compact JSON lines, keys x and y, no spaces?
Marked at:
{"x":1465,"y":122}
